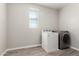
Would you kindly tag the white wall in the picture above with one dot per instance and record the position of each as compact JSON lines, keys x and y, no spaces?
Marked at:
{"x":3,"y":27}
{"x":69,"y":20}
{"x":19,"y":33}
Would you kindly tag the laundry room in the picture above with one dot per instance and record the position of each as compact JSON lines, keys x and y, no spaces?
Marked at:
{"x":39,"y":29}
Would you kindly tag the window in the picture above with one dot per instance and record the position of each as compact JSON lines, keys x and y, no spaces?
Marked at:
{"x":33,"y":18}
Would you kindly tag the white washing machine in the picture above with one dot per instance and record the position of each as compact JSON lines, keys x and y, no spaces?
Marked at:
{"x":49,"y":41}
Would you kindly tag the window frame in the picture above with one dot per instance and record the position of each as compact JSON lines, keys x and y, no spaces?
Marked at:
{"x":32,"y":22}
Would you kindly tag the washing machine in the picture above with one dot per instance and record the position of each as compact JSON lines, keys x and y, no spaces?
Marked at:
{"x":64,"y":40}
{"x":50,"y":41}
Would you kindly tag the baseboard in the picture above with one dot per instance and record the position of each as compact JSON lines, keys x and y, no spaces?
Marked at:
{"x":2,"y":54}
{"x":75,"y":48}
{"x":30,"y":46}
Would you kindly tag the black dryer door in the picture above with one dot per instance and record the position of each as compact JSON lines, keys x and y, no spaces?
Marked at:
{"x":66,"y":38}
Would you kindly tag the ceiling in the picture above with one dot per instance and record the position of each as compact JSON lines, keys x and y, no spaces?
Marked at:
{"x":54,"y":5}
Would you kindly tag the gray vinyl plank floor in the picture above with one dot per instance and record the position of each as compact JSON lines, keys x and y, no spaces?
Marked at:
{"x":38,"y":51}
